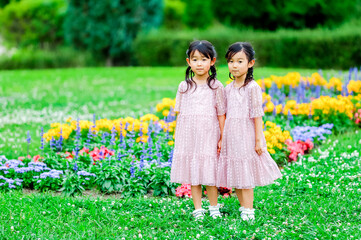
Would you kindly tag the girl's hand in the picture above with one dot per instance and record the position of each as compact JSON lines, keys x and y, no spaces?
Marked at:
{"x":258,"y":148}
{"x":219,"y":146}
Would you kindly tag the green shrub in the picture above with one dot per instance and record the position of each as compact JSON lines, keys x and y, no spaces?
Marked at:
{"x":31,"y":58}
{"x":33,"y":22}
{"x":271,"y":15}
{"x":198,"y":14}
{"x":173,"y":14}
{"x":286,"y":48}
{"x":3,"y":3}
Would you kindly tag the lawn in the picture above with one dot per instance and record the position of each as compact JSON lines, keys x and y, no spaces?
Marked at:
{"x":317,"y":198}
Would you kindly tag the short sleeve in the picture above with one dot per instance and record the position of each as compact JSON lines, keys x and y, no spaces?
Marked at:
{"x":255,"y":101}
{"x":178,"y":98}
{"x":220,"y":100}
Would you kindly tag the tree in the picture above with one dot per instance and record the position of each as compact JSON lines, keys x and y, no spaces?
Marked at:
{"x":274,"y":14}
{"x":108,"y":27}
{"x":198,"y":13}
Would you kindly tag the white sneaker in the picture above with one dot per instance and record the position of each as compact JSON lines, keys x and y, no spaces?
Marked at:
{"x":198,"y":214}
{"x":214,"y":211}
{"x":247,"y":214}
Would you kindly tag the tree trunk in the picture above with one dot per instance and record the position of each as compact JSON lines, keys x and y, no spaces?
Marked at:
{"x":109,"y":61}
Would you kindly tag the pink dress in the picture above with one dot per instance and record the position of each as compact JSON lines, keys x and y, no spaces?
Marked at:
{"x":197,"y":134}
{"x":239,"y":164}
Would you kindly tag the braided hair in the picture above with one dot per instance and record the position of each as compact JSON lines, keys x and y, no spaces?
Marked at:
{"x":248,"y":51}
{"x":208,"y":50}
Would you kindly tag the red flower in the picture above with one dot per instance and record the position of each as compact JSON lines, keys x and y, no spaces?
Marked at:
{"x":68,"y":155}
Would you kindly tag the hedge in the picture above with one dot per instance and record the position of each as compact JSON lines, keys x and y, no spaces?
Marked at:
{"x":62,"y":57}
{"x":320,"y":48}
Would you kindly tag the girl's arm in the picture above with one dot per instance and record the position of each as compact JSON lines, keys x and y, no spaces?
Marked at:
{"x":259,"y":134}
{"x":221,"y":120}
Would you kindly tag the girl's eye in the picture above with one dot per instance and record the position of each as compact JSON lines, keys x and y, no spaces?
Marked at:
{"x":231,"y":61}
{"x":240,"y":61}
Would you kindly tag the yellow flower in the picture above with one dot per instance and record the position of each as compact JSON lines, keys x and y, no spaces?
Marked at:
{"x":171,"y":143}
{"x":165,"y":113}
{"x":142,"y":139}
{"x":149,"y":117}
{"x":54,"y":125}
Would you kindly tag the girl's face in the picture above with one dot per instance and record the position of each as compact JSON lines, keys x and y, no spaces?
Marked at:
{"x":238,"y":65}
{"x":200,"y":64}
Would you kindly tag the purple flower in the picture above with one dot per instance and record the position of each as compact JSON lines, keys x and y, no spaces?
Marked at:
{"x":59,"y":143}
{"x":52,"y":174}
{"x":28,"y":138}
{"x":14,"y":163}
{"x":86,"y":174}
{"x":113,"y":134}
{"x":104,"y":140}
{"x":42,"y":139}
{"x":311,"y":133}
{"x":132,"y":170}
{"x":120,"y":156}
{"x":289,"y":116}
{"x":3,"y":158}
{"x":52,"y":143}
{"x":75,"y":168}
{"x":37,"y":164}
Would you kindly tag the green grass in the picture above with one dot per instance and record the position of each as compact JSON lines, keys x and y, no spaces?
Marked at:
{"x":317,"y":198}
{"x":31,"y":99}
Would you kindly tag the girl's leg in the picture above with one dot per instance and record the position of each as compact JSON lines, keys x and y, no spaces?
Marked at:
{"x":212,"y":193}
{"x":240,"y":197}
{"x":197,"y":196}
{"x":248,"y":198}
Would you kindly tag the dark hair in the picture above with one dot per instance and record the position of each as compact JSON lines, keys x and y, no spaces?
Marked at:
{"x":207,"y":49}
{"x":248,"y":50}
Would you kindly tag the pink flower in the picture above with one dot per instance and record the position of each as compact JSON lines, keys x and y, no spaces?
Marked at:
{"x":101,"y":153}
{"x":298,"y":147}
{"x":37,"y":158}
{"x":183,"y":190}
{"x":82,"y":151}
{"x":22,"y":158}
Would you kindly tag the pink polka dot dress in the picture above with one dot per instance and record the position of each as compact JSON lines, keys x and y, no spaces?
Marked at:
{"x":197,"y":134}
{"x":239,"y":164}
